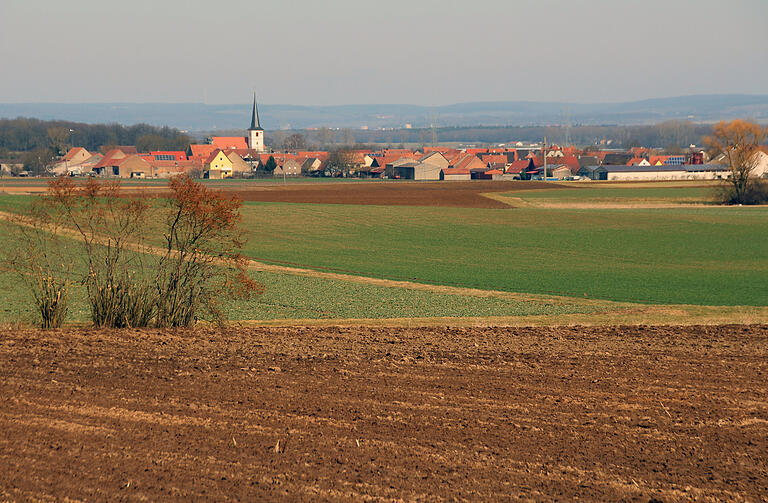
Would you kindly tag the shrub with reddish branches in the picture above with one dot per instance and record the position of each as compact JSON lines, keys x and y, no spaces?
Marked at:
{"x":130,"y":281}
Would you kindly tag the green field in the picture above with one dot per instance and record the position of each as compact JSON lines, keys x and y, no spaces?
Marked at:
{"x":299,"y":297}
{"x":701,"y":255}
{"x":706,"y":256}
{"x":290,"y":296}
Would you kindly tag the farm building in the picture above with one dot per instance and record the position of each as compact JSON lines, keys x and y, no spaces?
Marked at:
{"x":455,"y":174}
{"x":131,"y":166}
{"x":415,"y":170}
{"x":673,"y":172}
{"x":428,"y":167}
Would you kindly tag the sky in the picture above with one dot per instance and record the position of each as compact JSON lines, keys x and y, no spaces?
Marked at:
{"x":335,"y":52}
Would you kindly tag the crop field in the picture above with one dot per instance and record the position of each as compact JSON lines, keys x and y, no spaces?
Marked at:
{"x":686,"y":252}
{"x":381,"y":414}
{"x":692,"y":253}
{"x":706,"y":256}
{"x":403,"y":362}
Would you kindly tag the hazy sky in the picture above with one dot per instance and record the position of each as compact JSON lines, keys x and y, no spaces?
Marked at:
{"x":425,"y":52}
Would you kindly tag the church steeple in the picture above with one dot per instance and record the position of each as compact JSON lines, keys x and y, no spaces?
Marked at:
{"x":255,"y":132}
{"x":255,"y":116}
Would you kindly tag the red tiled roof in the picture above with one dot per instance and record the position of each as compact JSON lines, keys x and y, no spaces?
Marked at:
{"x":72,"y":153}
{"x":212,"y":156}
{"x":455,"y":171}
{"x":571,"y":161}
{"x":494,"y":172}
{"x":126,"y":149}
{"x":109,"y":157}
{"x":493,"y":158}
{"x":318,"y":154}
{"x":518,"y":166}
{"x":201,"y":151}
{"x":229,"y":142}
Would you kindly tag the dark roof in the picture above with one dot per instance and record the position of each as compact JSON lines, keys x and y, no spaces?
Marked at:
{"x":634,"y":169}
{"x":588,"y":160}
{"x":704,"y":167}
{"x":255,"y":126}
{"x":616,"y":158}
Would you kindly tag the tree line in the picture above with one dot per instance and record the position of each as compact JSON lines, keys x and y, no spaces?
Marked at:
{"x":26,"y":135}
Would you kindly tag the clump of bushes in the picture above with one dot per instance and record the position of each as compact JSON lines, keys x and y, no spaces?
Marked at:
{"x":161,"y":262}
{"x":754,"y":192}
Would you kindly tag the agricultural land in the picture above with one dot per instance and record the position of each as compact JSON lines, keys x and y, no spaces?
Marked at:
{"x":419,"y":342}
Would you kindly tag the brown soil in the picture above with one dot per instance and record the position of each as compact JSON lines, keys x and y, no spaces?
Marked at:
{"x":393,"y":193}
{"x":351,"y":414}
{"x":401,"y":193}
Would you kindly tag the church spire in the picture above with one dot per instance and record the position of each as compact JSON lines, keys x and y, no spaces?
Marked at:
{"x":255,"y":116}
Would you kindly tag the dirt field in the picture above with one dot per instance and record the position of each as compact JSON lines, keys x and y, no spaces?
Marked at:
{"x":400,"y":193}
{"x":354,"y":414}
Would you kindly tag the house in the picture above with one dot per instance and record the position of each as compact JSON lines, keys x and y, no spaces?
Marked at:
{"x":559,"y":171}
{"x":71,"y":162}
{"x":588,"y":160}
{"x":110,"y":156}
{"x":759,"y":170}
{"x":239,"y":166}
{"x":290,"y":167}
{"x":126,"y":149}
{"x":638,"y":161}
{"x":471,"y":163}
{"x":569,"y":160}
{"x":494,"y":159}
{"x":125,"y":166}
{"x":519,"y":169}
{"x":436,"y":159}
{"x":217,"y":166}
{"x":313,"y":166}
{"x":200,"y":152}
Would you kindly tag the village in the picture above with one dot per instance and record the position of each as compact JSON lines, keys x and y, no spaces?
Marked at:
{"x":247,"y":157}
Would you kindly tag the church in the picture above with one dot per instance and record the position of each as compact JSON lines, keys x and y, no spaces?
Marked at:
{"x":255,"y":138}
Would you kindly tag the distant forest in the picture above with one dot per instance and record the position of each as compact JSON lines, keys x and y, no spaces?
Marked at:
{"x":26,"y":135}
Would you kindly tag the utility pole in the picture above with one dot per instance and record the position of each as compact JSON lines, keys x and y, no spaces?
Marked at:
{"x":544,"y":155}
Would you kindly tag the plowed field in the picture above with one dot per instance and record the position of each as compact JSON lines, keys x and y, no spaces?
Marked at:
{"x":399,"y":193}
{"x":354,"y":414}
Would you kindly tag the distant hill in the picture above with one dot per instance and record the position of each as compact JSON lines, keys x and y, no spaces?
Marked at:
{"x":200,"y":117}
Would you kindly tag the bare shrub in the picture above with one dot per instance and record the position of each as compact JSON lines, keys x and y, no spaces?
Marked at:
{"x":129,"y":283}
{"x":112,"y":230}
{"x":42,"y":258}
{"x":202,"y":257}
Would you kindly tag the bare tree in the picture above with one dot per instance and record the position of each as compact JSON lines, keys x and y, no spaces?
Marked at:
{"x":295,"y":142}
{"x":341,"y":162}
